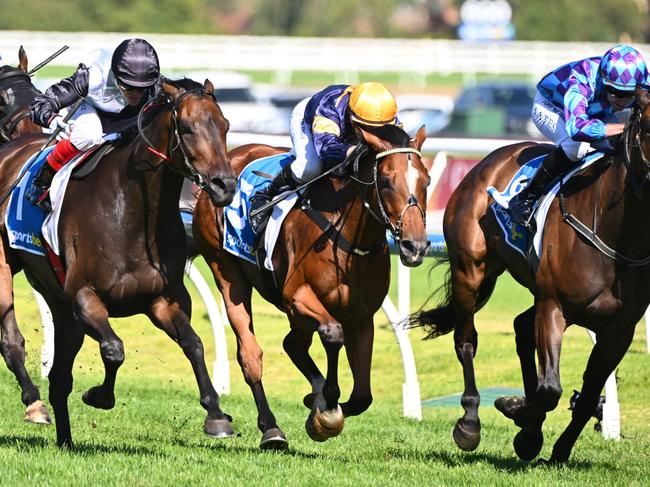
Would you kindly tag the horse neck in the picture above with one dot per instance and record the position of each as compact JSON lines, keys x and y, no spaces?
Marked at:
{"x":161,"y":186}
{"x":361,"y":228}
{"x":625,"y":209}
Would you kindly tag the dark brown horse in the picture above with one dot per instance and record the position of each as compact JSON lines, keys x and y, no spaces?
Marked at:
{"x":606,"y":291}
{"x":16,"y":94}
{"x":330,"y":281}
{"x":123,"y":244}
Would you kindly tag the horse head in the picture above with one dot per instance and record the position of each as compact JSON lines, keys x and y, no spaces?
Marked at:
{"x":400,"y":180}
{"x":16,"y":94}
{"x":197,"y":141}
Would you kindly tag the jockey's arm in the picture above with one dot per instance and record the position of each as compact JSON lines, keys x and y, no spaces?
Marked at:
{"x":579,"y":125}
{"x":60,"y":95}
{"x":326,"y":134}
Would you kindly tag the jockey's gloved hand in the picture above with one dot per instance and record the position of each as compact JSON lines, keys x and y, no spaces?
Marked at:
{"x":57,"y":123}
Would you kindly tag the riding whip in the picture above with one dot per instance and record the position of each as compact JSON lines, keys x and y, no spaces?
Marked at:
{"x":285,"y":195}
{"x":43,"y":63}
{"x":34,"y":158}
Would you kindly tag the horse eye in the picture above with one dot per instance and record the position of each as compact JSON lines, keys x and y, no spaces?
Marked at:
{"x":384,"y":183}
{"x":185,"y":129}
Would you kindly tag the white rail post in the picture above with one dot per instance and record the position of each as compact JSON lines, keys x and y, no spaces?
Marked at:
{"x":647,"y":329}
{"x":220,"y":366}
{"x":412,"y":404}
{"x":611,"y":409}
{"x":47,"y":350}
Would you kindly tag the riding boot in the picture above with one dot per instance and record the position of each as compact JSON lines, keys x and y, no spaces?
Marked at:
{"x":39,"y":192}
{"x":283,"y":181}
{"x":521,"y":205}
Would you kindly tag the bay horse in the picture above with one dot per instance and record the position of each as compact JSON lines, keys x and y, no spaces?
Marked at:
{"x":332,"y":280}
{"x":16,"y":94}
{"x":598,"y":279}
{"x":123,"y":244}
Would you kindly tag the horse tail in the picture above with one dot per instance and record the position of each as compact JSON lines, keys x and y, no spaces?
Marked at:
{"x":442,"y":319}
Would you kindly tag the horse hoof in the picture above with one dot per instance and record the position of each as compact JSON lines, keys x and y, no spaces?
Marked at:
{"x":37,"y":413}
{"x":97,"y":398}
{"x":309,"y":399}
{"x":510,"y":406}
{"x":274,"y":439}
{"x":218,"y":428}
{"x":323,"y":426}
{"x":465,"y":438}
{"x":528,"y":444}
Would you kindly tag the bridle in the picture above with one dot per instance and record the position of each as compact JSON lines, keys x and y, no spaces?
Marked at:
{"x":394,"y":229}
{"x":632,"y":142}
{"x":19,"y":98}
{"x":175,"y":139}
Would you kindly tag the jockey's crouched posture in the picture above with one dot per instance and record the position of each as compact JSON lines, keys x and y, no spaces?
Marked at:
{"x":113,"y":87}
{"x":578,"y":106}
{"x":323,"y":134}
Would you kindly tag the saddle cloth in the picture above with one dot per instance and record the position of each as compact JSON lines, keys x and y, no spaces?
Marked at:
{"x":516,"y":235}
{"x":27,"y":224}
{"x":239,"y":238}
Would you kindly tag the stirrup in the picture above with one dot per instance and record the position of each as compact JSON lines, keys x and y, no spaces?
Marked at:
{"x":40,"y":196}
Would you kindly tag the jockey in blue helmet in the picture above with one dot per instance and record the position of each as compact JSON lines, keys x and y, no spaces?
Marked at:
{"x":114,"y":87}
{"x":578,"y":106}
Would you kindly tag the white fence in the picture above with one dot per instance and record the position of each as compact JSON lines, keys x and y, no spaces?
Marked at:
{"x":410,"y":57}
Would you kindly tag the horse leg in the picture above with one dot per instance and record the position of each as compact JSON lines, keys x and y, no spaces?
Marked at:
{"x":605,"y":356}
{"x":306,"y":311}
{"x":469,"y":287}
{"x":549,"y":328}
{"x":296,"y":344}
{"x":171,"y":317}
{"x":91,"y":312}
{"x":524,"y":326}
{"x":68,"y":338}
{"x":12,"y":347}
{"x":358,"y":347}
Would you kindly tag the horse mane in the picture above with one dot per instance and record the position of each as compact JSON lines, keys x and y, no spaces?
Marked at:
{"x":186,"y":84}
{"x":394,"y":134}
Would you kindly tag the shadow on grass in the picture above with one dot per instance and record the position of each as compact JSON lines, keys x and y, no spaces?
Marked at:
{"x":508,"y":464}
{"x":230,"y":445}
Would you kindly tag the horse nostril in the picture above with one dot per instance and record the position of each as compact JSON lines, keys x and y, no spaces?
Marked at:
{"x":408,"y":247}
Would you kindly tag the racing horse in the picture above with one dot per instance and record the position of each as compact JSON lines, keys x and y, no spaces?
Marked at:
{"x":595,"y":274}
{"x":16,"y":94}
{"x":122,"y":242}
{"x":332,"y":272}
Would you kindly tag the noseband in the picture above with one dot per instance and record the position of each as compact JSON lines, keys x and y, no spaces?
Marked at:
{"x":394,"y":229}
{"x":175,"y":139}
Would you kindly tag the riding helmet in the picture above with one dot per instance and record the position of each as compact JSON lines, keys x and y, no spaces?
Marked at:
{"x":372,"y":104}
{"x":623,"y":67}
{"x":135,"y":63}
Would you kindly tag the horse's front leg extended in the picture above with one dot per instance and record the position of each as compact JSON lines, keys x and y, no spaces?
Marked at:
{"x":549,"y":329}
{"x":172,"y":317}
{"x":605,"y":356}
{"x":91,"y":313}
{"x":524,"y":325}
{"x":306,"y":311}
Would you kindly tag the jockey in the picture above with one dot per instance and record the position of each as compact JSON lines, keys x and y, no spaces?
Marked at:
{"x":323,"y":134}
{"x":114,"y":87}
{"x":578,"y":106}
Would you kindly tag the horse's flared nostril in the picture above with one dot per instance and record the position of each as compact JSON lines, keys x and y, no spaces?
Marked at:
{"x":413,"y":251}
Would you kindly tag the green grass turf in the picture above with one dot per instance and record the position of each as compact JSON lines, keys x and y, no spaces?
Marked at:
{"x":153,"y":436}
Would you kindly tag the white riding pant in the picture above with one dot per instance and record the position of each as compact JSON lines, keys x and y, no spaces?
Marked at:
{"x":549,"y":119}
{"x":307,"y":165}
{"x":86,"y":128}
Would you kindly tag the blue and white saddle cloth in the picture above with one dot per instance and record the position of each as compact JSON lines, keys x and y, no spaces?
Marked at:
{"x":238,"y":235}
{"x":24,"y":220}
{"x":516,"y":235}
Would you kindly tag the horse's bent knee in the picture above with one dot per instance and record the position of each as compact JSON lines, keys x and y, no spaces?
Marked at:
{"x":112,"y":352}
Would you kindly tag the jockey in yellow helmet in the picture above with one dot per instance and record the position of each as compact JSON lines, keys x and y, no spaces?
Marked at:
{"x":323,"y":134}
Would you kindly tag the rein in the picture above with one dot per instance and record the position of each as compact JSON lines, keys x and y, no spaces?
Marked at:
{"x":630,"y":142}
{"x":384,"y":220}
{"x":175,"y":139}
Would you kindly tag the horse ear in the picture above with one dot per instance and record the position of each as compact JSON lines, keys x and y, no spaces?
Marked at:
{"x":373,"y":141}
{"x":643,"y":99}
{"x":208,"y":87}
{"x":22,"y":58}
{"x":171,"y":91}
{"x":420,"y":137}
